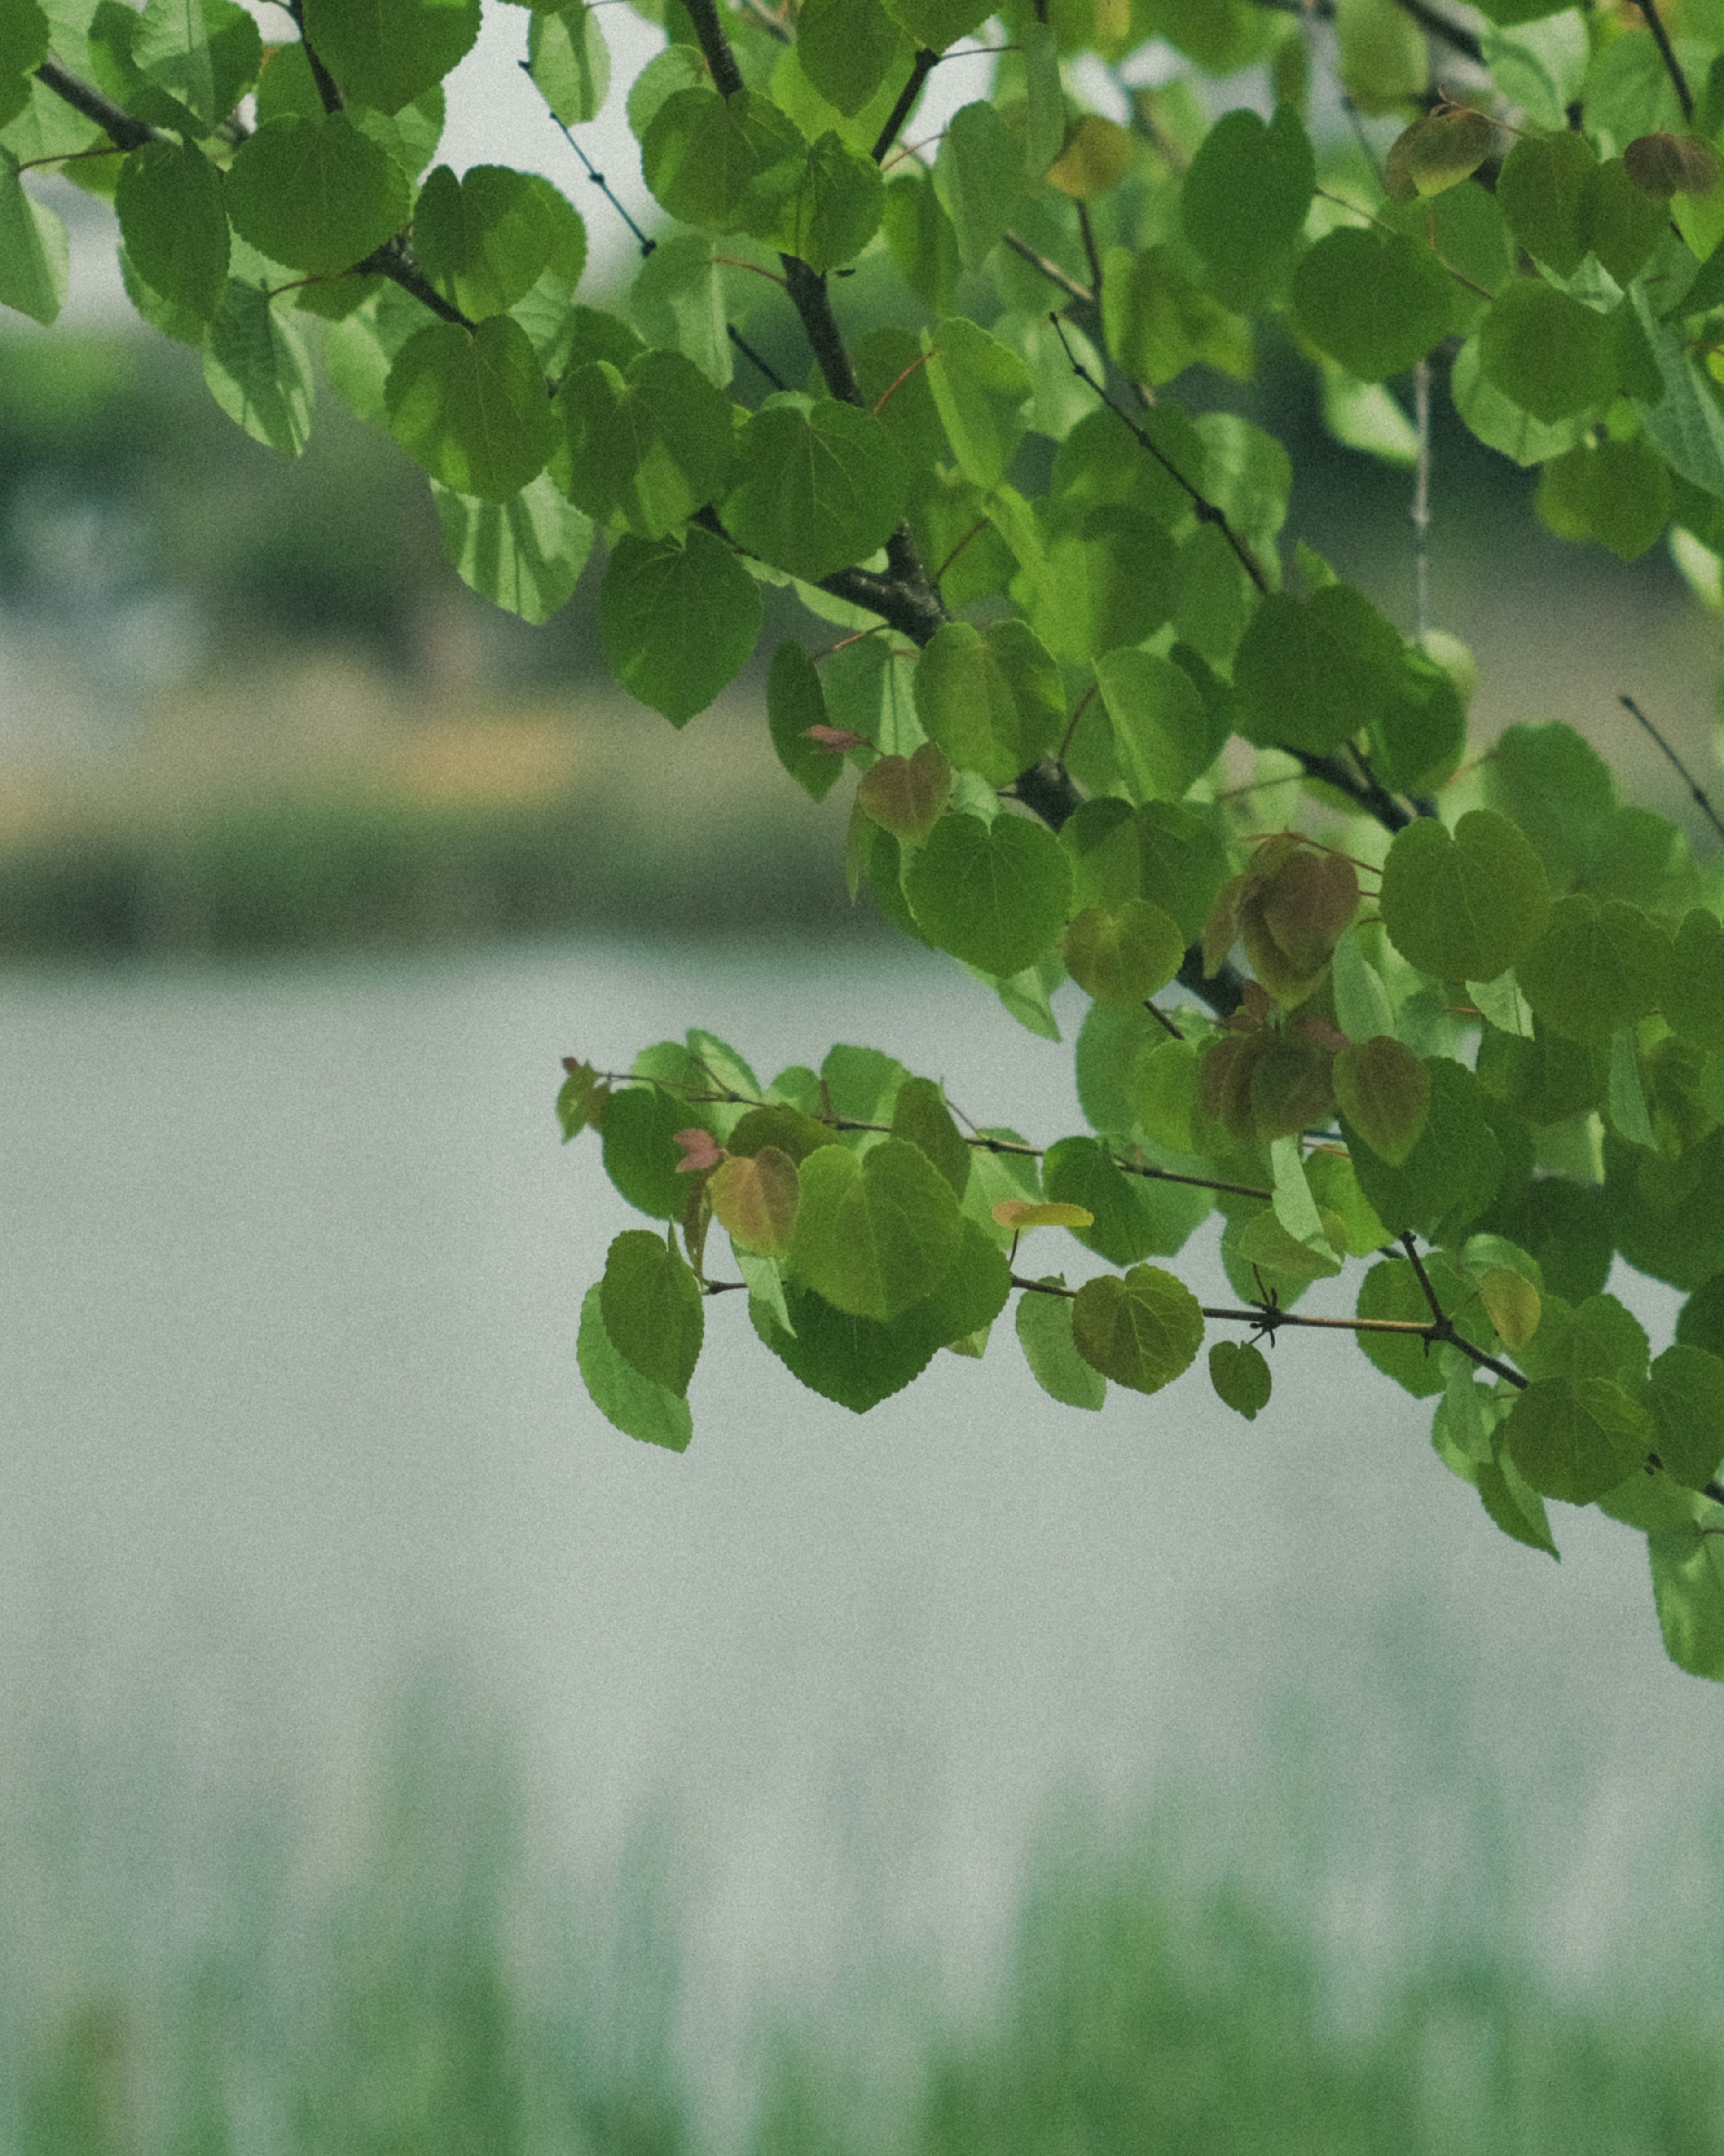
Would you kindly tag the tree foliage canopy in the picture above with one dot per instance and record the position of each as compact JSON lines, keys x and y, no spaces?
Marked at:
{"x":1458,"y":1027}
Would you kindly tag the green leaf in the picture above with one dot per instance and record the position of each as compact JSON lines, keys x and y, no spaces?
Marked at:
{"x":386,"y":52}
{"x":1044,"y":1332}
{"x":650,"y":447}
{"x":257,"y":368}
{"x":1515,"y":1506}
{"x":1688,"y":1588}
{"x":638,"y":1407}
{"x":1575,"y":1438}
{"x":24,"y":38}
{"x":1163,"y":733}
{"x":1437,"y":152}
{"x":994,"y":894}
{"x":795,"y":702}
{"x":728,"y":164}
{"x":315,"y":194}
{"x":485,"y":239}
{"x":1374,"y":304}
{"x":651,"y":1305}
{"x":1160,"y":320}
{"x":1618,"y":492}
{"x":174,"y":223}
{"x":919,"y":1116}
{"x":1541,"y":67}
{"x":525,"y":555}
{"x":1311,"y":672}
{"x":1125,"y":957}
{"x":1498,"y":421}
{"x":1596,"y":968}
{"x":641,"y":1155}
{"x":1383,"y":57}
{"x":203,"y":53}
{"x":1547,"y":352}
{"x":1622,"y":226}
{"x":1453,"y":1171}
{"x":569,"y":60}
{"x":835,"y":208}
{"x":1240,"y":1377}
{"x":1688,"y":1414}
{"x":1081,"y":1172}
{"x":1392,"y":1290}
{"x":1694,"y":995}
{"x":1245,"y":198}
{"x":679,"y":618}
{"x":874,"y":1234}
{"x":1684,"y":425}
{"x":1111,"y":580}
{"x":1464,"y":907}
{"x":1142,"y":1331}
{"x":937,"y":23}
{"x":859,"y":1362}
{"x":978,"y":176}
{"x":923,"y":244}
{"x":993,"y":701}
{"x":472,"y":408}
{"x":820,"y":487}
{"x":980,"y":388}
{"x":1544,"y":191}
{"x":847,"y":48}
{"x":34,"y":258}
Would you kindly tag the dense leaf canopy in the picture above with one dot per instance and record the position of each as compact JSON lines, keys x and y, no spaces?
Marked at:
{"x":1456,"y":1022}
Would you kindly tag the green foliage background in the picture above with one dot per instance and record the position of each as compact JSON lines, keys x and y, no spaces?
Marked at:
{"x":1460,"y":1020}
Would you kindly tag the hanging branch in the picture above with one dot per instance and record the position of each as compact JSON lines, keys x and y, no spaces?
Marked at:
{"x":1208,"y":512}
{"x":1701,"y":801}
{"x":1667,"y":53}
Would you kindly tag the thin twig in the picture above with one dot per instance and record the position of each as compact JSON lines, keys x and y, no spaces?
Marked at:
{"x":1092,"y":254}
{"x":749,"y":353}
{"x":1451,"y":34}
{"x":1422,"y":503}
{"x":1208,"y":512}
{"x":1667,"y":53}
{"x":1050,"y":269}
{"x":1078,"y":709}
{"x":642,"y":240}
{"x":1701,"y":799}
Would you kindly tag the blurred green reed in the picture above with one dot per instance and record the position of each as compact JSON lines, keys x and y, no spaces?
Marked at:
{"x":422,"y":2000}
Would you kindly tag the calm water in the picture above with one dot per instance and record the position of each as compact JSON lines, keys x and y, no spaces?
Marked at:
{"x":291,"y":1273}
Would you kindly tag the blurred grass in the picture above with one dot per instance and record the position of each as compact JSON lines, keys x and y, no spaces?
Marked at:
{"x":430,"y":2001}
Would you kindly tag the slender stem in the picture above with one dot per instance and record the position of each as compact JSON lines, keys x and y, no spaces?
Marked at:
{"x":1050,"y":269}
{"x":1207,"y":511}
{"x":1092,"y":254}
{"x":1667,"y":53}
{"x":1163,"y":1020}
{"x":1078,"y":709}
{"x":1701,"y":798}
{"x":749,"y":353}
{"x":1366,"y":792}
{"x":1422,"y":502}
{"x":642,"y":240}
{"x":920,"y":68}
{"x":975,"y":531}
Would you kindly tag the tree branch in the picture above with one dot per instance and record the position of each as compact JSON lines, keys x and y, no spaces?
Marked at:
{"x":1667,"y":53}
{"x":1365,"y":791}
{"x":1451,"y":34}
{"x":1702,"y":800}
{"x":114,"y":120}
{"x":920,"y":68}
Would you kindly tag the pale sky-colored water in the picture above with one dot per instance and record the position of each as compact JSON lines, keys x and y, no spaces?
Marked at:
{"x":290,"y":1275}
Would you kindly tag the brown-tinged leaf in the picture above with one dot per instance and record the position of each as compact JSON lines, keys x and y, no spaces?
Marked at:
{"x":1436,"y":153}
{"x":1121,"y":955}
{"x":1666,"y":165}
{"x":1384,"y":1091}
{"x":1224,"y":1083}
{"x":1293,"y":918}
{"x":1221,"y":930}
{"x":1290,"y":1085}
{"x":906,"y":794}
{"x":1020,"y":1214}
{"x":1097,"y":156}
{"x":755,"y":1198}
{"x":838,"y":739}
